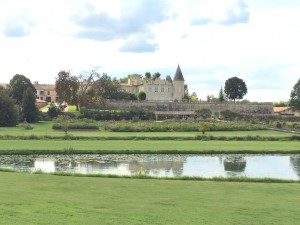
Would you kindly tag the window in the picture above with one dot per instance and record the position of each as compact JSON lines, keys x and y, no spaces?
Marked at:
{"x":168,"y":89}
{"x":156,"y":89}
{"x":48,"y":93}
{"x":150,"y":89}
{"x":42,"y":98}
{"x":41,"y":92}
{"x":162,"y":89}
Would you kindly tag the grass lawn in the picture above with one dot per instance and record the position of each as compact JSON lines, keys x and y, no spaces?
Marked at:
{"x":153,"y":146}
{"x":45,"y":128}
{"x":48,"y":199}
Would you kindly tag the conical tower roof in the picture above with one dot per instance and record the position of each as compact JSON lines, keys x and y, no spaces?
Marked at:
{"x":178,"y":75}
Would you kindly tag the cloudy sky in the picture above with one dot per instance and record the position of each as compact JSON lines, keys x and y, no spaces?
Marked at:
{"x":212,"y":40}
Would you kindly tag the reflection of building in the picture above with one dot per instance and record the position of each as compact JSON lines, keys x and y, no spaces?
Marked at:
{"x":158,"y":89}
{"x":235,"y":164}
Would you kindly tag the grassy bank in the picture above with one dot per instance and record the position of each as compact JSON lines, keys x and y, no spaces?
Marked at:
{"x":48,"y":199}
{"x":145,"y":146}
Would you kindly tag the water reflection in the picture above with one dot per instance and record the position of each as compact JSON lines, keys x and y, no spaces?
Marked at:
{"x":235,"y":165}
{"x":275,"y":166}
{"x":295,"y":161}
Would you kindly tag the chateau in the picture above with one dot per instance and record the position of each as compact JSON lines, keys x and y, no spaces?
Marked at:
{"x":164,"y":90}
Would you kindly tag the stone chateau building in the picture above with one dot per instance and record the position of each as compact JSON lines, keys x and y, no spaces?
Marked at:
{"x":167,"y":89}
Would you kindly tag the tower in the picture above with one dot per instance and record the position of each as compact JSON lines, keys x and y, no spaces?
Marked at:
{"x":178,"y":85}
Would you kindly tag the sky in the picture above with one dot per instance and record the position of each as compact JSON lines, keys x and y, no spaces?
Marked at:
{"x":212,"y":41}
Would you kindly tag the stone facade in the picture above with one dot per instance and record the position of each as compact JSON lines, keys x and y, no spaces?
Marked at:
{"x":163,"y":90}
{"x":46,"y":92}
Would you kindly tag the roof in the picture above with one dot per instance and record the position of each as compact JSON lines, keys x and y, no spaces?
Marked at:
{"x":280,"y":109}
{"x":44,"y":86}
{"x":178,"y":75}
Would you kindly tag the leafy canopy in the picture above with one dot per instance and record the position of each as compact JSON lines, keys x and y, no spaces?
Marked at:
{"x":295,"y":97}
{"x":18,"y":85}
{"x":235,"y":88}
{"x":66,"y":87}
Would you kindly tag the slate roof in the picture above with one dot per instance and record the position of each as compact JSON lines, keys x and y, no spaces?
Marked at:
{"x":178,"y":75}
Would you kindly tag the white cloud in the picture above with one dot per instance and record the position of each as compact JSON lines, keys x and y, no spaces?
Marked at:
{"x":255,"y":41}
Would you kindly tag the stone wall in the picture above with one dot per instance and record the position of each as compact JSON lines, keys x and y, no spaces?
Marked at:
{"x":177,"y":107}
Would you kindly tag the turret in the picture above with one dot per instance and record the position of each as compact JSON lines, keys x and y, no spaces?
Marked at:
{"x":178,"y":85}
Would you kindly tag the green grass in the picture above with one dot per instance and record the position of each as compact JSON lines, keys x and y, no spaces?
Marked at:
{"x":144,"y":146}
{"x":45,"y":128}
{"x":48,"y":199}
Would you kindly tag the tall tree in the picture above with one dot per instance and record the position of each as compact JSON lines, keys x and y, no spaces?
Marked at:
{"x":29,"y":109}
{"x":85,"y":82}
{"x":66,"y":87}
{"x":221,"y":95}
{"x":148,"y":75}
{"x":155,"y":75}
{"x":235,"y":88}
{"x":18,"y":85}
{"x":295,"y":97}
{"x":8,"y":110}
{"x":109,"y":88}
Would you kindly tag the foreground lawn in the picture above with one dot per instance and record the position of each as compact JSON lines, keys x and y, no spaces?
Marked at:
{"x":150,"y":146}
{"x":48,"y":199}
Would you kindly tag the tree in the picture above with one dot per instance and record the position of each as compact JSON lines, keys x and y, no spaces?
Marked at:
{"x":85,"y":82}
{"x":235,"y":88}
{"x":141,"y":96}
{"x":8,"y":110}
{"x":155,"y":75}
{"x":66,"y":87}
{"x":108,"y":88}
{"x":204,"y":113}
{"x":295,"y":97}
{"x":186,"y":93}
{"x":18,"y":85}
{"x":148,"y":75}
{"x":29,"y":109}
{"x":194,"y":97}
{"x":221,"y":95}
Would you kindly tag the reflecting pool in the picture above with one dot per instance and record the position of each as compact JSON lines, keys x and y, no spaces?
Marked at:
{"x":229,"y":165}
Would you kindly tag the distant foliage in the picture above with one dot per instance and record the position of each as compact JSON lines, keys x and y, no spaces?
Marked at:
{"x":8,"y":111}
{"x":180,"y":126}
{"x":116,"y":114}
{"x":61,"y":124}
{"x":203,"y":113}
{"x":295,"y":97}
{"x":30,"y":112}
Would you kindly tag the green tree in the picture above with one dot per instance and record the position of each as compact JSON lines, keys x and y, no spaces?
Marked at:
{"x":155,"y":75}
{"x":66,"y":87}
{"x":29,"y":109}
{"x":141,"y":96}
{"x":235,"y":88}
{"x":148,"y":75}
{"x":108,"y":88}
{"x":18,"y":85}
{"x":221,"y":95}
{"x":8,"y":110}
{"x":186,"y":93}
{"x":295,"y":97}
{"x":204,"y":113}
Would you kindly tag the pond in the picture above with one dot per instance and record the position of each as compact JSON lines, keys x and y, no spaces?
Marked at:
{"x":161,"y":165}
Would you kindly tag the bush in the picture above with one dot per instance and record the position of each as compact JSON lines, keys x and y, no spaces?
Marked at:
{"x":77,"y":124}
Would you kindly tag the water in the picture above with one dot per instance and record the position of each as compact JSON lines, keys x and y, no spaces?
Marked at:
{"x":232,"y":165}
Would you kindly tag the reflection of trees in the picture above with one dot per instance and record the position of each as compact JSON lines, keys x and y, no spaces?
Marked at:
{"x":295,"y":161}
{"x":157,"y":166}
{"x":17,"y":162}
{"x":234,"y":165}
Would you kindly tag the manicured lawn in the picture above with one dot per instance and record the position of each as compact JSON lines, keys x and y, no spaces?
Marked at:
{"x":48,"y":199}
{"x":154,"y":146}
{"x":45,"y":128}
